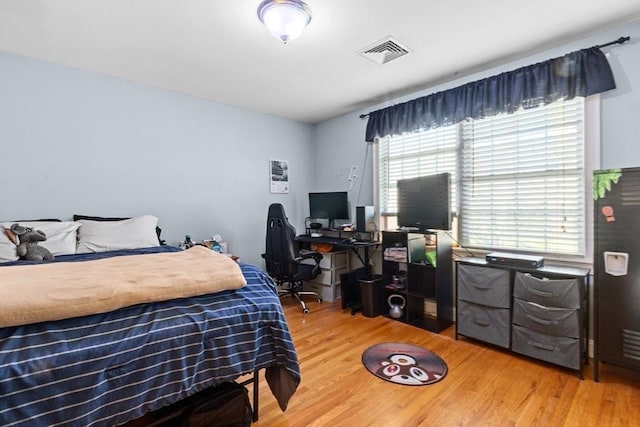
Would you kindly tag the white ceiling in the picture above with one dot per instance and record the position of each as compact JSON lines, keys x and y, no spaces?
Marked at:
{"x":219,"y":50}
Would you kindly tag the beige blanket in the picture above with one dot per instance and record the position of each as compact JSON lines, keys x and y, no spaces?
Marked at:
{"x":37,"y":293}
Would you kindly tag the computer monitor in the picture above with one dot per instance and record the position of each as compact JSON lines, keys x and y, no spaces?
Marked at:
{"x":329,"y":205}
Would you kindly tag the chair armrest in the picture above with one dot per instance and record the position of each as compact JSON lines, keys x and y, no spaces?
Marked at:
{"x":306,"y":254}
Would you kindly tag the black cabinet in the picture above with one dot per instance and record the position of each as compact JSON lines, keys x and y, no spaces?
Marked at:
{"x":417,"y":273}
{"x":616,"y":268}
{"x":540,"y":313}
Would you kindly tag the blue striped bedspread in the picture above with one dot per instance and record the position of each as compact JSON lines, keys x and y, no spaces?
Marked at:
{"x":107,"y":369}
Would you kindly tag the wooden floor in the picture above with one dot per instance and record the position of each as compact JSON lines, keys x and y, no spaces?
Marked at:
{"x":485,"y":386}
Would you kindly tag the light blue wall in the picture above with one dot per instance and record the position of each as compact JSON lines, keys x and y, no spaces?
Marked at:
{"x":338,"y":149}
{"x":77,"y":142}
{"x":340,"y":141}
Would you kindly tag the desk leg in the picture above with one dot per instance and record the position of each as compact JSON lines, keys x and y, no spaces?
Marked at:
{"x":356,"y":307}
{"x":367,"y":267}
{"x":365,"y":261}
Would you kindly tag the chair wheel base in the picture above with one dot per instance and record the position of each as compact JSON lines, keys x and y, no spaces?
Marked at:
{"x":296,"y":292}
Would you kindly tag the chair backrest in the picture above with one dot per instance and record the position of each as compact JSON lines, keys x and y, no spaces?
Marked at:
{"x":280,"y":250}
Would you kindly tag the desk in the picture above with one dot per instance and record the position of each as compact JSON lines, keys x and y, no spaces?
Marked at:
{"x":341,"y":243}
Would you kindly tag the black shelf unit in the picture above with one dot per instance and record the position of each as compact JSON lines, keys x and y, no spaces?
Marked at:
{"x":407,"y":252}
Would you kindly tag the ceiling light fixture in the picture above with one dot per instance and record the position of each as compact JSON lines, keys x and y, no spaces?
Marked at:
{"x":285,"y":19}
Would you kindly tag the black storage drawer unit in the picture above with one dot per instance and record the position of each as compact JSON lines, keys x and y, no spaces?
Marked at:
{"x":551,"y":293}
{"x":561,"y":351}
{"x":549,"y":320}
{"x":484,"y":304}
{"x":546,"y":318}
{"x":488,"y":324}
{"x":486,"y":286}
{"x":540,"y":313}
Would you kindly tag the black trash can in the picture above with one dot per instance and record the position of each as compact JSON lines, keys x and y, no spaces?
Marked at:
{"x":371,"y":292}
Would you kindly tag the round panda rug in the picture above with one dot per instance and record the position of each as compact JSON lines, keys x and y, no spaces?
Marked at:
{"x":404,"y":364}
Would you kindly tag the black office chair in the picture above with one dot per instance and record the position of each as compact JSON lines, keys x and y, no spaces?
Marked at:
{"x":284,"y":265}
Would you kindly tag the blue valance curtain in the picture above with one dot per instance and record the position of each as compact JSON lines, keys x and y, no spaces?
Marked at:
{"x":581,"y":73}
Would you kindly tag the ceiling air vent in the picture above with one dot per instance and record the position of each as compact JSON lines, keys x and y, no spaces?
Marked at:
{"x":385,"y":50}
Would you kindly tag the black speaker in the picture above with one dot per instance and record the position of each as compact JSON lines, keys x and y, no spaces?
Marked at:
{"x":315,"y":225}
{"x":364,"y":219}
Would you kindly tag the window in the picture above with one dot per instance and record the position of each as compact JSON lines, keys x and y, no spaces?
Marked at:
{"x":518,"y":180}
{"x":414,"y":155}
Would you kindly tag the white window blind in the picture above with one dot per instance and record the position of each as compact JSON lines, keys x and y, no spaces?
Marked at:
{"x":412,"y":155}
{"x":517,"y":179}
{"x":523,"y":180}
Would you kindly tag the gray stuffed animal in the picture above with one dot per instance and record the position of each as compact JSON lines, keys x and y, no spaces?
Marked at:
{"x":28,"y":249}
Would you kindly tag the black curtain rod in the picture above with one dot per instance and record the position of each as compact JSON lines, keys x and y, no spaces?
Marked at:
{"x":618,"y":41}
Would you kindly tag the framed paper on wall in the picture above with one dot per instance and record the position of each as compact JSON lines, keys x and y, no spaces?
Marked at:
{"x":279,"y":176}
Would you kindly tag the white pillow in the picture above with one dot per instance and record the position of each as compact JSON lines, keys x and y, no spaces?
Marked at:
{"x":7,"y":248}
{"x":102,"y":236}
{"x":61,"y":235}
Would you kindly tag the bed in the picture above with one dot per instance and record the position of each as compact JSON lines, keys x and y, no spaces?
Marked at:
{"x":110,"y":367}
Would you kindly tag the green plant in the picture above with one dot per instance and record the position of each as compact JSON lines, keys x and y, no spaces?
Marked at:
{"x":603,"y":180}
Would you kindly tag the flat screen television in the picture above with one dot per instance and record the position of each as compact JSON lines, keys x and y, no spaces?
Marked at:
{"x":330,"y":205}
{"x":424,"y":203}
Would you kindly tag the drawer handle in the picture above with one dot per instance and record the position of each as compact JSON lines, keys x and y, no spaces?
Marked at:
{"x":481,"y":322}
{"x":542,"y":346}
{"x":542,"y":321}
{"x":540,"y":293}
{"x":479,"y":286}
